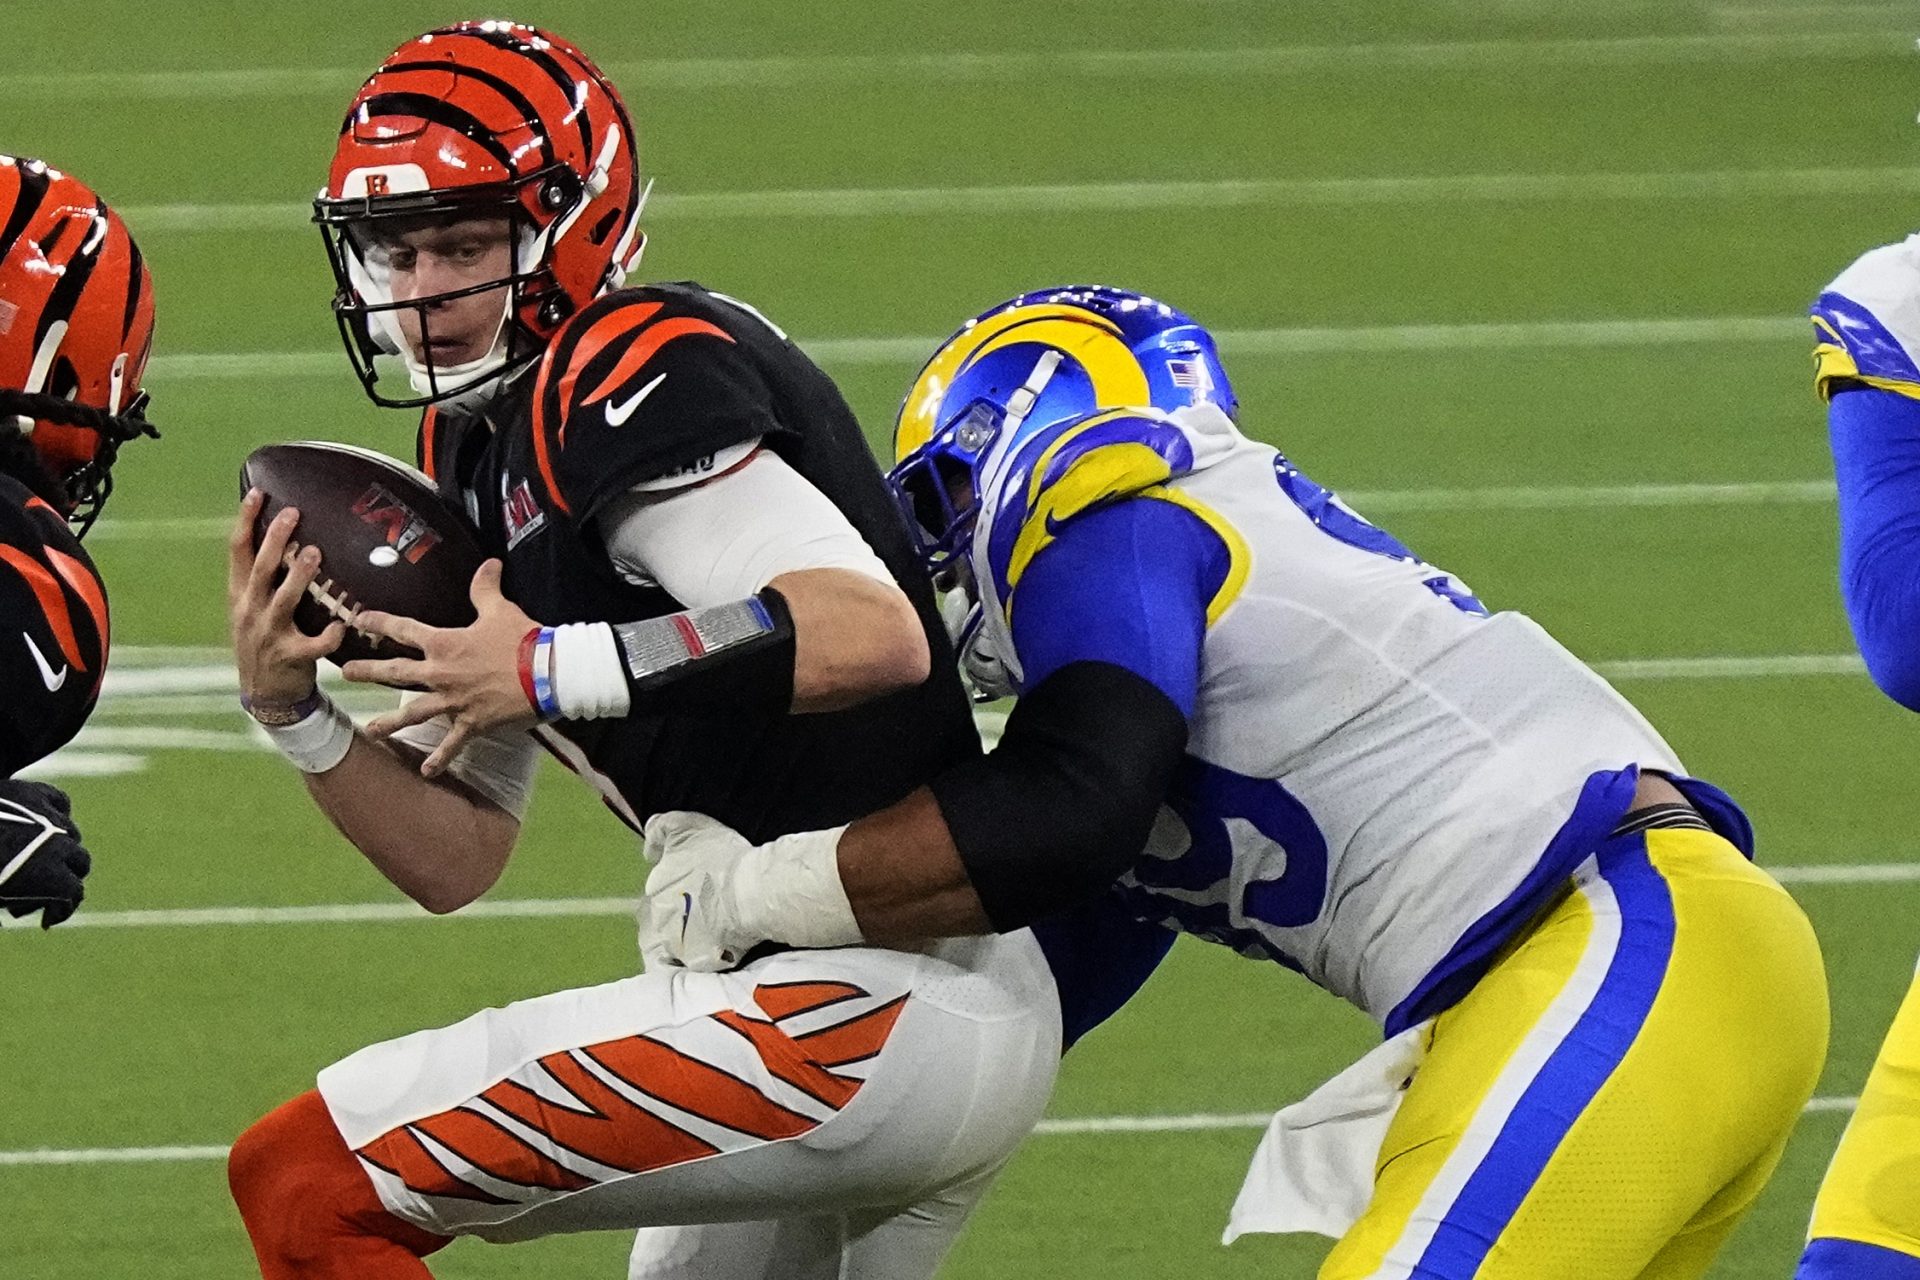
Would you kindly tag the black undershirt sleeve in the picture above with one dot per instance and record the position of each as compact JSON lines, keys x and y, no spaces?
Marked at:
{"x":1065,"y":802}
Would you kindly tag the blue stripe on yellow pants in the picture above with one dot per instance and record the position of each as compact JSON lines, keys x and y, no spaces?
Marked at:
{"x":1866,"y":1222}
{"x":1608,"y":1100}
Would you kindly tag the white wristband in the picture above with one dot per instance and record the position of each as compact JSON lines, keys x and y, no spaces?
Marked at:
{"x":790,"y":890}
{"x":317,"y":743}
{"x":589,"y":677}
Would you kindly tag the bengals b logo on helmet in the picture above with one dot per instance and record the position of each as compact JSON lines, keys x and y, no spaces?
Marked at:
{"x":76,"y":326}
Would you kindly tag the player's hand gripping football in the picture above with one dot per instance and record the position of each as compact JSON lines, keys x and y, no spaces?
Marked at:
{"x":42,"y":861}
{"x":471,"y":674}
{"x":275,"y":659}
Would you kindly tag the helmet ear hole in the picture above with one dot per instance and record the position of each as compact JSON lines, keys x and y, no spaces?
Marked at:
{"x":65,"y":380}
{"x":605,"y":227}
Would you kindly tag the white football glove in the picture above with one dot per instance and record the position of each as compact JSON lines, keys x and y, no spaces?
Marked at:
{"x":712,"y":897}
{"x":1867,"y":322}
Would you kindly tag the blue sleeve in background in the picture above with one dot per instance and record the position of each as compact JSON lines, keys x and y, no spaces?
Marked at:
{"x":1876,"y":460}
{"x":1129,"y":584}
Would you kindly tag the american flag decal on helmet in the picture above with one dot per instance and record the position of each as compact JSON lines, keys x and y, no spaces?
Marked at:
{"x":1191,"y":375}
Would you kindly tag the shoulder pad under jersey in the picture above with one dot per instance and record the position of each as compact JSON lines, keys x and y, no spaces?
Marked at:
{"x":1866,"y":324}
{"x":644,"y":383}
{"x":53,"y":648}
{"x":1070,"y":468}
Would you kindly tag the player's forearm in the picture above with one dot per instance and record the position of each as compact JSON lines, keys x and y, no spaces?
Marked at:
{"x":437,"y":842}
{"x":904,"y":878}
{"x":855,"y":638}
{"x":812,"y":640}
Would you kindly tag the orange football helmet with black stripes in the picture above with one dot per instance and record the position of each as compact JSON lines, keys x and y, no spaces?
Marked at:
{"x":480,"y":120}
{"x":76,"y":327}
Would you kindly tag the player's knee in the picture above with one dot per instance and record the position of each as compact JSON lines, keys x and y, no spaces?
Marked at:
{"x":287,"y":1174}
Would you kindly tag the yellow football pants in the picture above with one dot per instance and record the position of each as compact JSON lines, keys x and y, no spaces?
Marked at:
{"x":1866,"y":1223}
{"x":1608,"y":1100}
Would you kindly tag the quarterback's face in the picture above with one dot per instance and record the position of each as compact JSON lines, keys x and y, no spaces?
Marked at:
{"x":425,"y":262}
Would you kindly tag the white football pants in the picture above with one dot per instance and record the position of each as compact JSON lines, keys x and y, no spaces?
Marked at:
{"x":841,"y":1111}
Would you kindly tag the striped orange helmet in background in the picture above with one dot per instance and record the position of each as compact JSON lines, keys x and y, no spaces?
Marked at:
{"x":481,"y":120}
{"x":76,"y":328}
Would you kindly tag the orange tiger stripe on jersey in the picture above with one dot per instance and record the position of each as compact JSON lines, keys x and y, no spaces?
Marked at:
{"x":699,"y":1088}
{"x":784,"y":999}
{"x":53,"y":602}
{"x":499,"y":1154}
{"x":86,"y":585}
{"x":643,"y":350}
{"x":784,"y":1058}
{"x":429,"y":423}
{"x":591,"y":344}
{"x":540,"y":455}
{"x":599,"y":334}
{"x":854,"y":1040}
{"x":400,"y":1153}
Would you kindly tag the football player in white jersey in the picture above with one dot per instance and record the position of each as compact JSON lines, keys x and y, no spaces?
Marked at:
{"x":1275,"y":727}
{"x":1866,"y":1222}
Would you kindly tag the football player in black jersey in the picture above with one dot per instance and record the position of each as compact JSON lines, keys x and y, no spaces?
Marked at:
{"x":702,"y":597}
{"x":76,"y":323}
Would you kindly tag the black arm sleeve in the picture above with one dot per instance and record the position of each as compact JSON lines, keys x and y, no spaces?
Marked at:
{"x":1064,"y":804}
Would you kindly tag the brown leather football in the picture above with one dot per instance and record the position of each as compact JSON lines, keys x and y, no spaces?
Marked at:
{"x":387,"y":539}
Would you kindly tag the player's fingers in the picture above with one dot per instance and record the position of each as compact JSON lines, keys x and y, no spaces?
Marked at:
{"x":408,"y":631}
{"x":273,"y":549}
{"x":240,"y":542}
{"x":436,"y":764}
{"x":486,"y":586}
{"x":416,"y":711}
{"x":316,"y":647}
{"x":387,"y":671}
{"x":300,"y":575}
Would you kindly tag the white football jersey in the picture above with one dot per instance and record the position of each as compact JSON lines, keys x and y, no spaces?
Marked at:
{"x":1375,"y":764}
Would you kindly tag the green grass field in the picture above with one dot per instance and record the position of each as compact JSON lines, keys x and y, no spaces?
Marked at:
{"x":1493,"y":268}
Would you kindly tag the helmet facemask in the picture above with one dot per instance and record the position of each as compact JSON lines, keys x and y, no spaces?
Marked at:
{"x":938,"y":485}
{"x":84,"y":487}
{"x":361,"y":235}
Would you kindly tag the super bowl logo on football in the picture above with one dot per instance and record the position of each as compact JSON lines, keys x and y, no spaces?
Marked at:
{"x":409,"y":537}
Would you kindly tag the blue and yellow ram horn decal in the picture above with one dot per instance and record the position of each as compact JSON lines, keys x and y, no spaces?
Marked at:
{"x":1092,"y":341}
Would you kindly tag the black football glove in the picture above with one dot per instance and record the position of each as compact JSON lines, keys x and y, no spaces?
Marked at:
{"x":42,"y":861}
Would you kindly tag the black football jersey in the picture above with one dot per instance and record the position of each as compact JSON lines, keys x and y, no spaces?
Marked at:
{"x":53,"y":630}
{"x":648,"y":383}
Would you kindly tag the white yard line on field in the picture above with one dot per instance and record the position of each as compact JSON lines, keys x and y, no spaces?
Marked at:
{"x":121,"y":85}
{"x":1496,"y":498}
{"x":1288,"y":341}
{"x":1833,"y":18}
{"x":1224,"y":193}
{"x":1058,"y":1126}
{"x":599,"y":908}
{"x":1734,"y":667}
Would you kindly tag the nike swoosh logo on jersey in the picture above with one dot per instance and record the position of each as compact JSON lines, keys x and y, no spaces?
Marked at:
{"x":47,"y":677}
{"x":617,"y":414}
